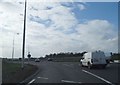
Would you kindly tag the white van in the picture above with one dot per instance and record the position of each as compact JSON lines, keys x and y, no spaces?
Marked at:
{"x":96,"y":58}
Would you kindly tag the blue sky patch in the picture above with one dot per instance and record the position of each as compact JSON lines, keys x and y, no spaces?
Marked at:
{"x":37,"y":19}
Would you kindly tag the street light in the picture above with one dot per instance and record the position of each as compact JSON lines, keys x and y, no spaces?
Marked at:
{"x":23,"y":49}
{"x":13,"y":46}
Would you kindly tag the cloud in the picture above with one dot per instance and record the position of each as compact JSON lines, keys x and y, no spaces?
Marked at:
{"x":81,"y":7}
{"x":37,"y":19}
{"x":10,"y":17}
{"x":90,"y":36}
{"x":53,"y":27}
{"x":98,"y":34}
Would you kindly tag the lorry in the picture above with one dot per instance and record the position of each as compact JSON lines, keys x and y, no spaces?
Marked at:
{"x":92,"y":59}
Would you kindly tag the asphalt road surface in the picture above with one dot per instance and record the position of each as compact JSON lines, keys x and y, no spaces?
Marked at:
{"x":0,"y":71}
{"x":72,"y":72}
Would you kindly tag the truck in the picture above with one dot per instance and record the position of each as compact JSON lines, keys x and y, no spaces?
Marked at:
{"x":92,"y":59}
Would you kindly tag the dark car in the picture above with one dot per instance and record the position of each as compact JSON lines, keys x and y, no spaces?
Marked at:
{"x":37,"y":60}
{"x":49,"y":59}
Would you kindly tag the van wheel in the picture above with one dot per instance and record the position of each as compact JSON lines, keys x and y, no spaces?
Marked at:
{"x":104,"y":66}
{"x":89,"y":66}
{"x":81,"y":64}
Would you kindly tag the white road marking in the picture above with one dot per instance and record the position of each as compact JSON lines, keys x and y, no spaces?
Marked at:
{"x":66,"y":81}
{"x":31,"y":82}
{"x":98,"y":77}
{"x":42,"y":77}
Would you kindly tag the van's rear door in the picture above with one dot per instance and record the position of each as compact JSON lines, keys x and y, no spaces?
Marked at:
{"x":99,"y":58}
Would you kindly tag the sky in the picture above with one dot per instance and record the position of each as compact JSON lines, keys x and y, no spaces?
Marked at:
{"x":54,"y":27}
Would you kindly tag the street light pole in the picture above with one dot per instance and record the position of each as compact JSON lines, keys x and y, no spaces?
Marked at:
{"x":13,"y":49}
{"x":13,"y":45}
{"x":23,"y":49}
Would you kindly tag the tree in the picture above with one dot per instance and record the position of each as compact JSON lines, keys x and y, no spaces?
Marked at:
{"x":83,"y":53}
{"x":111,"y":53}
{"x":20,"y":59}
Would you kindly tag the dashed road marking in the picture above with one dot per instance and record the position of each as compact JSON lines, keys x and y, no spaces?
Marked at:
{"x":31,"y":82}
{"x":42,"y":77}
{"x":98,"y":77}
{"x":66,"y":81}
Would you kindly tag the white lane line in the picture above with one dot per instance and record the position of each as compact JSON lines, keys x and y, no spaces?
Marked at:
{"x":42,"y":77}
{"x":31,"y":82}
{"x":98,"y":77}
{"x":66,"y":81}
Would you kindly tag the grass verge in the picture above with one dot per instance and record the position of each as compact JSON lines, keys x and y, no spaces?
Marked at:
{"x":12,"y":72}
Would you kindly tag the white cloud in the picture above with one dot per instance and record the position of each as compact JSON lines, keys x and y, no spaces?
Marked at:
{"x":63,"y":34}
{"x":81,"y":7}
{"x":98,"y":34}
{"x":10,"y":16}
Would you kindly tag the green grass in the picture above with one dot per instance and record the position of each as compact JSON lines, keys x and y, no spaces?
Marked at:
{"x":8,"y":70}
{"x":10,"y":67}
{"x":12,"y":72}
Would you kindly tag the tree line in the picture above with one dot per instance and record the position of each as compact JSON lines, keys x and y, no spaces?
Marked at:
{"x":115,"y":56}
{"x":69,"y":54}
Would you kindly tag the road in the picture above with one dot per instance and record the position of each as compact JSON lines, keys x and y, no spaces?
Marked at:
{"x":72,"y":72}
{"x":0,"y":71}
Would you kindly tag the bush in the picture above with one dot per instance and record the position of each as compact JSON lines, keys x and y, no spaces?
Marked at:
{"x":115,"y":57}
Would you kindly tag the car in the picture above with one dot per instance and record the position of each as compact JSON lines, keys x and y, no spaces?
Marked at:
{"x":37,"y":60}
{"x":92,"y":59}
{"x":49,"y":59}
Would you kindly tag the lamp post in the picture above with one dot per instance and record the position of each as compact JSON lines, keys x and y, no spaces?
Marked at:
{"x":13,"y":45}
{"x":23,"y":49}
